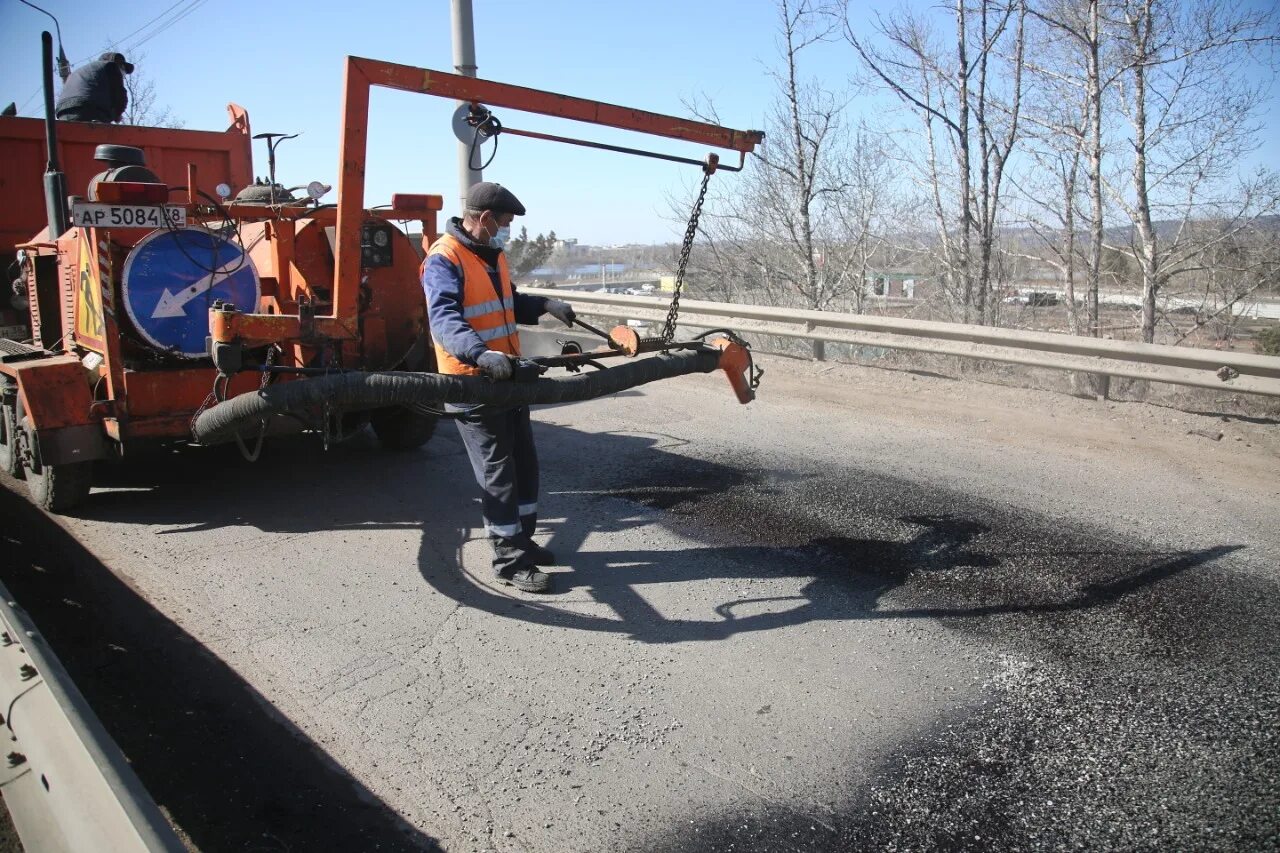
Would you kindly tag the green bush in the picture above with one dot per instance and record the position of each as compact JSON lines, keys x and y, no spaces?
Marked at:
{"x":1269,"y":341}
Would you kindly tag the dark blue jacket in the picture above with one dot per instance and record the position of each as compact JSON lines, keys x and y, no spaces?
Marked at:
{"x":94,"y":92}
{"x":442,"y":281}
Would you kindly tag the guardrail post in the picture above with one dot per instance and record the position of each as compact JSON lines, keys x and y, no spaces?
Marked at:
{"x":1102,"y":386}
{"x":819,"y":346}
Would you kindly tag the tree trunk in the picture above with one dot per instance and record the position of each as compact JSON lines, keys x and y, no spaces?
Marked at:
{"x":804,"y":193}
{"x":1095,"y":164}
{"x":1069,"y":259}
{"x":962,"y":154}
{"x":985,"y":212}
{"x":1148,"y":247}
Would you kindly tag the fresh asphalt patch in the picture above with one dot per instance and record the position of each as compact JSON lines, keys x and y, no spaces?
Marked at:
{"x":1135,"y":702}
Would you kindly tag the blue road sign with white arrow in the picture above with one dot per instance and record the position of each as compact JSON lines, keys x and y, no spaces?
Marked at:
{"x":171,"y":278}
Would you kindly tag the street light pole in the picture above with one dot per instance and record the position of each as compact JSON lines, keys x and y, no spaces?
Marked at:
{"x":464,"y":63}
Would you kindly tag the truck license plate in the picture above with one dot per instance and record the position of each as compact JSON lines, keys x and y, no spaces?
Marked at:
{"x":93,"y":215}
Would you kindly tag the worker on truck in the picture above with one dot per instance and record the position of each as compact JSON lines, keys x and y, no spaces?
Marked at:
{"x":474,"y":308}
{"x":96,"y":91}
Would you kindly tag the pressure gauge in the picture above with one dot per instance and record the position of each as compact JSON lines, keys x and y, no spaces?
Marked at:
{"x":315,"y":190}
{"x":223,"y":191}
{"x":376,"y":247}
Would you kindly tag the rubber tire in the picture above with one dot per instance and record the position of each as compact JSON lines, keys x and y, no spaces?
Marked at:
{"x":58,"y":488}
{"x":402,"y":429}
{"x":10,"y":458}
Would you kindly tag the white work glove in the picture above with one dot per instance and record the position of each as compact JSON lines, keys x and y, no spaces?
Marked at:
{"x":494,"y":363}
{"x":562,"y":311}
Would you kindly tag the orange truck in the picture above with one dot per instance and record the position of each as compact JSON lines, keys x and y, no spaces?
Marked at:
{"x":95,"y":356}
{"x":61,"y":304}
{"x":160,"y":293}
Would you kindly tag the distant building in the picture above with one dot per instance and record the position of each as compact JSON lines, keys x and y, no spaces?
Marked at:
{"x":898,"y":284}
{"x":570,"y":246}
{"x":603,"y":270}
{"x":543,"y":274}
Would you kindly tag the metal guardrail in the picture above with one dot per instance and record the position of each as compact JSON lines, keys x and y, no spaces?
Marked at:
{"x":1202,"y":368}
{"x":65,"y":782}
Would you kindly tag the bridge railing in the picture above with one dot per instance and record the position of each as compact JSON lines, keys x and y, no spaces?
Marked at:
{"x":1202,"y":368}
{"x":66,"y":783}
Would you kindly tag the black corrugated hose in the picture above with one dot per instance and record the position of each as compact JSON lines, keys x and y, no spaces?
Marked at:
{"x":358,"y":390}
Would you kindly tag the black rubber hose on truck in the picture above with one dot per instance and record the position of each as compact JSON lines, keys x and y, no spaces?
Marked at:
{"x":358,"y":390}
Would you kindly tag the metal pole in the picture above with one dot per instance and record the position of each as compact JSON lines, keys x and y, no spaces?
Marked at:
{"x":55,"y":184}
{"x":464,"y":64}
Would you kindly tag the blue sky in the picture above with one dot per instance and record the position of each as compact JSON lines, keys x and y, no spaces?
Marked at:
{"x":282,"y":61}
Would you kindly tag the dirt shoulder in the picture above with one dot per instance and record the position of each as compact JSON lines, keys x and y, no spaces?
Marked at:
{"x":1208,"y":437}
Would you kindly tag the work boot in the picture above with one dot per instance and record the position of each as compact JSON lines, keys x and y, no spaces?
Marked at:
{"x":527,"y":579}
{"x":538,"y":555}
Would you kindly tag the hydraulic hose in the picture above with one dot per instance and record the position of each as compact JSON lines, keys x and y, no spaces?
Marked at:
{"x":360,"y":390}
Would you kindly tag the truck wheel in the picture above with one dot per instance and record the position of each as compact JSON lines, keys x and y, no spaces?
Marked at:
{"x":402,"y":429}
{"x":58,"y":488}
{"x":10,"y":456}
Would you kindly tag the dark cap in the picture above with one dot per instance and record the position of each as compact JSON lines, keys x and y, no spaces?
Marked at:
{"x":490,"y":196}
{"x":118,"y":59}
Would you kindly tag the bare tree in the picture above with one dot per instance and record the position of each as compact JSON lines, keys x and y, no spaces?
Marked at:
{"x":1065,"y":146}
{"x":1191,"y":110}
{"x":970,"y":111}
{"x":798,"y":179}
{"x":1232,"y":271}
{"x":871,"y":208}
{"x":1072,"y":66}
{"x":783,"y":232}
{"x":142,"y":108}
{"x":1055,"y":194}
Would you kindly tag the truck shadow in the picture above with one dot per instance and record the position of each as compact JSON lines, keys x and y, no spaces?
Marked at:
{"x":232,"y":774}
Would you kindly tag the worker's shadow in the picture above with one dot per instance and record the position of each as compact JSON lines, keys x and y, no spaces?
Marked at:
{"x":780,"y":570}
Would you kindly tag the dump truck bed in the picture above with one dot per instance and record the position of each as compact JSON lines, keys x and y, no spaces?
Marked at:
{"x":219,"y":157}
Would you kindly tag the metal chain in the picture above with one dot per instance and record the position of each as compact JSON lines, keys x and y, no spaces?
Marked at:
{"x":269,"y":362}
{"x":208,"y":401}
{"x":690,"y":232}
{"x":215,"y":396}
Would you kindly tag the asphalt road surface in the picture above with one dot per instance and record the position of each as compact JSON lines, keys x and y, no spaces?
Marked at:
{"x":869,"y":611}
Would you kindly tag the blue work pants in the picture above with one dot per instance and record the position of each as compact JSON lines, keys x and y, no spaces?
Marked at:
{"x":505,"y":463}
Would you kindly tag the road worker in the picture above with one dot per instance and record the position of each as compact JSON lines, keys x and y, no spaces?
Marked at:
{"x":96,"y":91}
{"x":474,"y":308}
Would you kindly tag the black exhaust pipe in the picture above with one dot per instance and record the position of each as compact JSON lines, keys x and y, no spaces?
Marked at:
{"x":55,"y":183}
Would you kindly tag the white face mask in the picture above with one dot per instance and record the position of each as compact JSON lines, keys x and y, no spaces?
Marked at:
{"x":500,"y":239}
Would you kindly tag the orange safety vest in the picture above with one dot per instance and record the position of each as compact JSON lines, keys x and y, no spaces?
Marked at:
{"x":492,"y":316}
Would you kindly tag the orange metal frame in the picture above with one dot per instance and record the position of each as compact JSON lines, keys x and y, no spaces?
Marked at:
{"x":361,"y":76}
